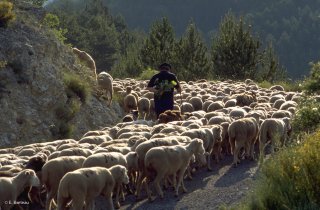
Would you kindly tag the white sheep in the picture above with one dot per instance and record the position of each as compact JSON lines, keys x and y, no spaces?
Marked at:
{"x":144,"y":107}
{"x":12,"y":187}
{"x":172,"y":161}
{"x":87,"y":59}
{"x":274,"y":131}
{"x":52,"y":172}
{"x":105,"y":83}
{"x":243,"y":133}
{"x":84,"y":184}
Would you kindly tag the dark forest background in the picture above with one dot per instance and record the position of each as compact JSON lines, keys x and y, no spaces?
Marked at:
{"x":123,"y":32}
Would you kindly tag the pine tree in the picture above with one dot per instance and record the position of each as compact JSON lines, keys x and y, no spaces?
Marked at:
{"x":159,"y":46}
{"x":270,"y":68}
{"x":235,"y":52}
{"x":192,"y":55}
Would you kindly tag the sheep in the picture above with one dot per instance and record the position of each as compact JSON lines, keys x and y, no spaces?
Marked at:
{"x":95,"y":139}
{"x":95,"y":133}
{"x":245,"y":99}
{"x":213,"y":114}
{"x":288,"y":104}
{"x":243,"y":133}
{"x":219,"y":119}
{"x":237,"y":113}
{"x":75,"y":152}
{"x":230,"y":103}
{"x":12,"y":187}
{"x":142,"y":149}
{"x":54,"y":170}
{"x":277,"y":104}
{"x":130,"y":103}
{"x":87,"y":59}
{"x":144,"y":107}
{"x":186,"y":107}
{"x":209,"y":136}
{"x":206,"y":104}
{"x":276,"y":87}
{"x":215,"y":106}
{"x":281,"y":114}
{"x":172,"y":161}
{"x":274,"y":131}
{"x":130,"y":117}
{"x":84,"y":184}
{"x":169,"y":116}
{"x":196,"y":103}
{"x":105,"y":83}
{"x":110,"y":159}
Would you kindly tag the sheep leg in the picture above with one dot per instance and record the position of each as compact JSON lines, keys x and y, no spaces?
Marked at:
{"x":139,"y":182}
{"x":156,"y":182}
{"x":236,"y":155}
{"x":209,"y":161}
{"x":49,"y":198}
{"x":180,"y":177}
{"x":232,"y":145}
{"x":116,"y":201}
{"x":122,"y":193}
{"x":174,"y":180}
{"x":62,"y":203}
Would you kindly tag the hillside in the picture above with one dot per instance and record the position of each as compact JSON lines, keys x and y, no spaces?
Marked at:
{"x":32,"y":87}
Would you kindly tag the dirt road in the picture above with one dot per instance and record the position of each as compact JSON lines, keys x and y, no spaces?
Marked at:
{"x":208,"y":190}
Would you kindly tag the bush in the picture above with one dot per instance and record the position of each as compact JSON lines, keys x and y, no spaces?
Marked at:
{"x":312,"y":84}
{"x":147,"y":74}
{"x":291,"y":179}
{"x":52,"y":21}
{"x":6,"y":13}
{"x":307,"y":118}
{"x":288,"y":86}
{"x":76,"y":87}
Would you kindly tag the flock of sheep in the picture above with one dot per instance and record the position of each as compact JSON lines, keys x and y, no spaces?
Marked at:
{"x":210,"y":120}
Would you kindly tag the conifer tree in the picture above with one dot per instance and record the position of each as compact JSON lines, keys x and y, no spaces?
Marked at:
{"x":235,"y":52}
{"x":192,"y":56}
{"x":159,"y":46}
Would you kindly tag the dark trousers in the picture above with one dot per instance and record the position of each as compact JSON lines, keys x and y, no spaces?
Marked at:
{"x":162,"y":105}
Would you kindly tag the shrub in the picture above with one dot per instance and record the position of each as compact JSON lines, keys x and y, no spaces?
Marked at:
{"x":147,"y":74}
{"x":307,"y":118}
{"x":6,"y":13}
{"x":312,"y":84}
{"x":291,"y":179}
{"x":76,"y":87}
{"x":287,"y":85}
{"x":52,"y":21}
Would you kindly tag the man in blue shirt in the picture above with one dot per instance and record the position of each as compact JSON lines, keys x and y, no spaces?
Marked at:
{"x":163,"y":84}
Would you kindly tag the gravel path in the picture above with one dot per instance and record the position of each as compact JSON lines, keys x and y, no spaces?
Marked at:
{"x":208,"y":190}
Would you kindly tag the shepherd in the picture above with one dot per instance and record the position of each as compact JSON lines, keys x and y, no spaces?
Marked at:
{"x":162,"y":85}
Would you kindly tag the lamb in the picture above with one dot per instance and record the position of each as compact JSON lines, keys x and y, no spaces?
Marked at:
{"x":243,"y":133}
{"x":87,"y":59}
{"x":84,"y":184}
{"x":12,"y":187}
{"x":172,"y":161}
{"x":144,"y":107}
{"x":54,"y":170}
{"x":105,"y":83}
{"x":274,"y":131}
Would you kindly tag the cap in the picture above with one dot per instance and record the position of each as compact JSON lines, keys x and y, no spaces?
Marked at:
{"x":165,"y":66}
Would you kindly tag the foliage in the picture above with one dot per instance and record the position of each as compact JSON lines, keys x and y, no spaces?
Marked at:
{"x":292,"y":25}
{"x":3,"y":64}
{"x":295,"y":86}
{"x":307,"y":118}
{"x":291,"y":179}
{"x":159,"y":46}
{"x":270,"y":68}
{"x":6,"y":13}
{"x":192,"y":55}
{"x":234,"y":50}
{"x":147,"y":74}
{"x":312,"y":84}
{"x":38,"y":2}
{"x":76,"y":87}
{"x":52,"y":22}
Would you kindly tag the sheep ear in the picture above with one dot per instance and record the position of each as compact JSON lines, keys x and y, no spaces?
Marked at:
{"x":27,"y":173}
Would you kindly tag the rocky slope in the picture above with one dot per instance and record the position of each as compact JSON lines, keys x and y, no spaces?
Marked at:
{"x":32,"y":88}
